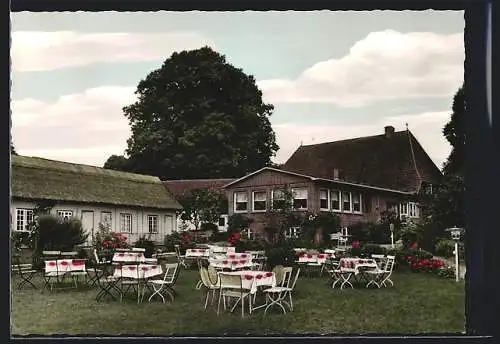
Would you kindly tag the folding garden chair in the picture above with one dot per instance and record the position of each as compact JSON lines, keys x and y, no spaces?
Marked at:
{"x":107,"y":283}
{"x":97,"y":271}
{"x":25,"y":272}
{"x":209,"y":286}
{"x":180,"y":258}
{"x":165,"y":285}
{"x":379,"y":277}
{"x":230,"y":287}
{"x":276,"y":295}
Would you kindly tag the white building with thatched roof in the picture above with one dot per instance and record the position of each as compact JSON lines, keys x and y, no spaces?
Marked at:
{"x":133,"y":204}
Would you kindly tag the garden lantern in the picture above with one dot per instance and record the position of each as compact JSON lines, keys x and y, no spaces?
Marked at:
{"x":455,"y":233}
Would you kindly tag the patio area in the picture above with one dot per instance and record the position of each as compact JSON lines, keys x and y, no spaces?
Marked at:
{"x":418,"y":303}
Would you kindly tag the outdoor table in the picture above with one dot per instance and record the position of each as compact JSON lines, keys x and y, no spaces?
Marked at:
{"x":251,"y":280}
{"x":221,"y":249}
{"x":233,"y":264}
{"x":232,"y":256}
{"x":128,"y":257}
{"x":138,"y":272}
{"x":350,"y":267}
{"x":60,"y":268}
{"x":197,"y":252}
{"x":317,"y":258}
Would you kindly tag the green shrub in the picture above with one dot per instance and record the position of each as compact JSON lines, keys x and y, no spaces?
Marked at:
{"x":147,"y":244}
{"x":379,"y":234}
{"x":250,"y":245}
{"x":369,"y":249}
{"x":52,"y":233}
{"x":401,"y":256}
{"x":280,"y":256}
{"x":444,"y":248}
{"x":360,"y":232}
{"x":237,"y":223}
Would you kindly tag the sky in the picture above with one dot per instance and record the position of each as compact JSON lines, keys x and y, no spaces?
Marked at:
{"x":330,"y":75}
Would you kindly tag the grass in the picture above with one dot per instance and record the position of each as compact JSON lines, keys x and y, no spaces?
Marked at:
{"x":418,"y":303}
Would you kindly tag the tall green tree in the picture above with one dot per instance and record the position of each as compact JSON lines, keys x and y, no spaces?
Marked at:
{"x":454,"y":132}
{"x":446,"y":206}
{"x":198,"y":117}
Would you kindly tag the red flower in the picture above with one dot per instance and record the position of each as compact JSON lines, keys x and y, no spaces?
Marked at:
{"x":248,"y":277}
{"x":269,"y":274}
{"x":258,"y":276}
{"x":356,"y":244}
{"x":413,"y":245}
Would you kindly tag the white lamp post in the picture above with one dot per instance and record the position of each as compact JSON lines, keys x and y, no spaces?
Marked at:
{"x":455,"y":236}
{"x":391,"y":227}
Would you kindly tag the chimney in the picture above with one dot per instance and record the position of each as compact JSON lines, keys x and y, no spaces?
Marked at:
{"x":338,"y":174}
{"x":389,"y":131}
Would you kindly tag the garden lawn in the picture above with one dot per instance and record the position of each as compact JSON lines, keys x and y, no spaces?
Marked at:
{"x":418,"y":303}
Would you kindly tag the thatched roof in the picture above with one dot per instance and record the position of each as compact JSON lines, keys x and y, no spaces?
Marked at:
{"x":382,"y":160}
{"x":183,"y":187}
{"x":43,"y":179}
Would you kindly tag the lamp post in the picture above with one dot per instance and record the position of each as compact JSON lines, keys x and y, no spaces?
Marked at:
{"x":455,"y":236}
{"x":391,"y":227}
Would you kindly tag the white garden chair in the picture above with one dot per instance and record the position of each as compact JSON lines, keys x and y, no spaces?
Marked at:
{"x":379,"y":259}
{"x":276,"y":295}
{"x":230,"y":287}
{"x":207,"y":283}
{"x":180,"y":258}
{"x":379,"y":276}
{"x":164,"y":286}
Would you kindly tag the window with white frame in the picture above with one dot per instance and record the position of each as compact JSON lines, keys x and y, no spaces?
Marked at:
{"x":23,"y":218}
{"x":356,"y":203}
{"x":323,"y":200}
{"x":259,"y":201}
{"x":300,"y":198}
{"x":65,"y":214}
{"x":403,"y":209}
{"x":292,"y":232}
{"x":413,"y":210}
{"x":240,"y":201}
{"x":153,"y":224}
{"x":106,"y":219}
{"x":335,"y":200}
{"x":278,"y":199}
{"x":346,"y":202}
{"x":125,"y":223}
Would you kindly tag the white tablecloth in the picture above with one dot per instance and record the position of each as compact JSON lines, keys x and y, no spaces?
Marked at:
{"x":65,"y":265}
{"x":250,"y":280}
{"x":221,"y":249}
{"x":132,"y":257}
{"x":197,"y":252}
{"x":354,"y":264}
{"x":139,"y":271}
{"x":318,"y":258}
{"x":232,"y":264}
{"x":232,"y":256}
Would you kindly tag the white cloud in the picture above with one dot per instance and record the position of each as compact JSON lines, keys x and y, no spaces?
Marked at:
{"x":86,"y":127}
{"x":427,"y":128}
{"x":384,"y":65}
{"x":36,"y":50}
